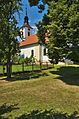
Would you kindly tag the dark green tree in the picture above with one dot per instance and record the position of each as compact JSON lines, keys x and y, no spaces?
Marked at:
{"x":9,"y":31}
{"x":61,"y":26}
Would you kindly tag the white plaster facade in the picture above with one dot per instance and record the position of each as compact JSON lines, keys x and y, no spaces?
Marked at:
{"x":26,"y":51}
{"x":38,"y":52}
{"x":42,"y":56}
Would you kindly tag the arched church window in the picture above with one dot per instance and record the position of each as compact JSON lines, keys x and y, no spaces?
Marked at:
{"x":28,"y":33}
{"x":44,"y":51}
{"x":32,"y":53}
{"x":21,"y":34}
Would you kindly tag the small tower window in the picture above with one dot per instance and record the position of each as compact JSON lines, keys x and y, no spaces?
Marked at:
{"x":21,"y":34}
{"x":28,"y":29}
{"x":44,"y":51}
{"x":28,"y":33}
{"x":32,"y":53}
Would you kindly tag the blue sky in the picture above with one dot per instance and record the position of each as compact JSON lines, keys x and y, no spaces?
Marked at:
{"x":33,"y":15}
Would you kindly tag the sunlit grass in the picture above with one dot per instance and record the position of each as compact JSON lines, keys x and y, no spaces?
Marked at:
{"x":19,"y":67}
{"x":56,"y":88}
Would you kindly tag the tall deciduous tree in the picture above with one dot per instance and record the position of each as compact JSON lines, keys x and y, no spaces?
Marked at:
{"x":62,"y":26}
{"x":8,"y":31}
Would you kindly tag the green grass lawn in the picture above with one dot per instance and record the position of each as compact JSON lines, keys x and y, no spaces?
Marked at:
{"x":18,"y":68}
{"x":1,"y":69}
{"x":49,"y":94}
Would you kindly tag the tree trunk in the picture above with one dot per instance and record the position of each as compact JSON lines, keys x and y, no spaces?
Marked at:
{"x":9,"y":53}
{"x":8,"y":66}
{"x":8,"y":70}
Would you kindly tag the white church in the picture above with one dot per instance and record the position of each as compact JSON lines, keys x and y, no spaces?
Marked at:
{"x":30,"y":45}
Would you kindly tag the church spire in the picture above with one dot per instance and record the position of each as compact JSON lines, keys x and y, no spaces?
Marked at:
{"x":26,"y":18}
{"x":26,"y":11}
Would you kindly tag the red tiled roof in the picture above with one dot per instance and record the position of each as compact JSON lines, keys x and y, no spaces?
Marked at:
{"x":33,"y":39}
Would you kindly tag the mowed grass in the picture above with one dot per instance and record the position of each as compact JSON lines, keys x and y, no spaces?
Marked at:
{"x":34,"y":92}
{"x":19,"y":67}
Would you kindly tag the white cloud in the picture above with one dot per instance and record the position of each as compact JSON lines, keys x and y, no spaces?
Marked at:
{"x":29,"y":21}
{"x":34,"y":29}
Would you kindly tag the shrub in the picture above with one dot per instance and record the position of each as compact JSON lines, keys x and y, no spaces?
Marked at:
{"x":21,"y":61}
{"x":28,"y":60}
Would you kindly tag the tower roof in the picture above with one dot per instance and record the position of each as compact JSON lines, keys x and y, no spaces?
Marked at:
{"x":26,"y":21}
{"x":25,"y":25}
{"x":26,"y":18}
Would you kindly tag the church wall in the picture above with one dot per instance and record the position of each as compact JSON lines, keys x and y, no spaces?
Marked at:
{"x":43,"y":57}
{"x":37,"y":52}
{"x":25,"y":32}
{"x":26,"y":51}
{"x":31,"y":31}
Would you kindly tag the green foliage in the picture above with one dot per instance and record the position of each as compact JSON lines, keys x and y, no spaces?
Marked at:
{"x":39,"y":3}
{"x":8,"y":30}
{"x":64,"y":29}
{"x":15,"y":59}
{"x":28,"y":60}
{"x":21,"y":61}
{"x":61,"y":26}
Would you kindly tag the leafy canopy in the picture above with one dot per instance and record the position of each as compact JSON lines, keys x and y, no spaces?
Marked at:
{"x":8,"y":27}
{"x":9,"y":31}
{"x":61,"y":26}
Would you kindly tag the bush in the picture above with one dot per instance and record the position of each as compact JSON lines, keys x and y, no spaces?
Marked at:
{"x":21,"y":61}
{"x":28,"y":60}
{"x":15,"y":59}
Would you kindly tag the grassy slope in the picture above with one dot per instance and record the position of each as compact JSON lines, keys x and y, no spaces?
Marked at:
{"x":56,"y":88}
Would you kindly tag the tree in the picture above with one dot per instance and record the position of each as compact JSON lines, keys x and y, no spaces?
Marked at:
{"x":9,"y":31}
{"x":61,"y":26}
{"x":39,"y":3}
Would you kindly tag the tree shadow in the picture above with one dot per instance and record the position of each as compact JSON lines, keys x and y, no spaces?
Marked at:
{"x":5,"y":109}
{"x":48,"y":115}
{"x":68,"y":74}
{"x":26,"y":76}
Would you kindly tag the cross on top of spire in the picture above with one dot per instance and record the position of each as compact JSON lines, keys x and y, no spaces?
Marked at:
{"x":26,"y":18}
{"x":26,"y":11}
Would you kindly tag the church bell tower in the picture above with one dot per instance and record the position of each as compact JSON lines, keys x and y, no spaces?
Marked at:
{"x":26,"y":29}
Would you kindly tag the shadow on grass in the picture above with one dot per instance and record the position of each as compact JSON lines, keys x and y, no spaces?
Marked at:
{"x":5,"y":109}
{"x":48,"y":115}
{"x":36,"y":114}
{"x":26,"y":76}
{"x":68,"y":74}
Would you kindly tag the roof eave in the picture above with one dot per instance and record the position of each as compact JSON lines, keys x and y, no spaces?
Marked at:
{"x":26,"y":26}
{"x":28,"y":45}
